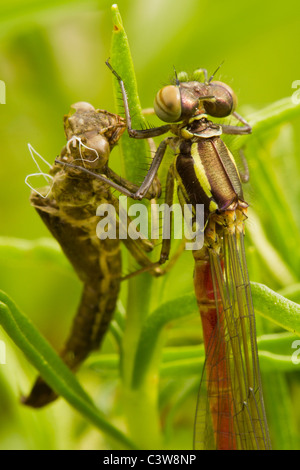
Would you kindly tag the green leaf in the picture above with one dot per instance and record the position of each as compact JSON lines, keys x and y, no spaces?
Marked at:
{"x":276,"y":308}
{"x":268,"y":118}
{"x":42,"y":250}
{"x":271,"y":116}
{"x":153,"y":326}
{"x":266,"y":302}
{"x":135,"y":153}
{"x":275,"y":354}
{"x":52,"y":368}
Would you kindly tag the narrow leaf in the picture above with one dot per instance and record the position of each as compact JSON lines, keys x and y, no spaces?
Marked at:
{"x":52,"y":368}
{"x":153,"y":326}
{"x":135,"y":153}
{"x":276,"y":308}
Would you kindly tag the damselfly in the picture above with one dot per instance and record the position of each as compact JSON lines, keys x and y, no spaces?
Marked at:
{"x":68,"y":209}
{"x":230,"y":412}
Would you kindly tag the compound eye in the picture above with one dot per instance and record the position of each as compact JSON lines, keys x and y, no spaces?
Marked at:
{"x":225,"y":100}
{"x":167,"y":103}
{"x":95,"y":151}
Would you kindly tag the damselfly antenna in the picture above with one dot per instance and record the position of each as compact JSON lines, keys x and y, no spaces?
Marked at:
{"x":211,"y":78}
{"x":176,"y":76}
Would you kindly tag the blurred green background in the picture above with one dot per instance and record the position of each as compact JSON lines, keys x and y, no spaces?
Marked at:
{"x":52,"y":55}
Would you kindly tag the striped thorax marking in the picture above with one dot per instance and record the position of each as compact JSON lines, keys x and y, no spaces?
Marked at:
{"x":200,"y":170}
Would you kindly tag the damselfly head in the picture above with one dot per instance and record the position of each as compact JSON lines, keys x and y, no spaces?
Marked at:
{"x":93,"y":155}
{"x":91,"y":135}
{"x":185,"y":99}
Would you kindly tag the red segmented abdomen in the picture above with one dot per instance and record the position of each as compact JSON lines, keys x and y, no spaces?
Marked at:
{"x":217,"y":372}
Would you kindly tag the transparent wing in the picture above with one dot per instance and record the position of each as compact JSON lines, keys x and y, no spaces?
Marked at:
{"x":230,"y":410}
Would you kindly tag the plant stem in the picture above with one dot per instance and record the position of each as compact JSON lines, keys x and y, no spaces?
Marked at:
{"x":140,"y":404}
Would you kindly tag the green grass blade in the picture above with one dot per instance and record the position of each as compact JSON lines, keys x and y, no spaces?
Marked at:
{"x":266,"y":302}
{"x":135,"y":153}
{"x":268,"y":118}
{"x":152,"y":328}
{"x":271,"y":116}
{"x":51,"y":367}
{"x":276,"y":308}
{"x":41,"y":250}
{"x":275,"y":353}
